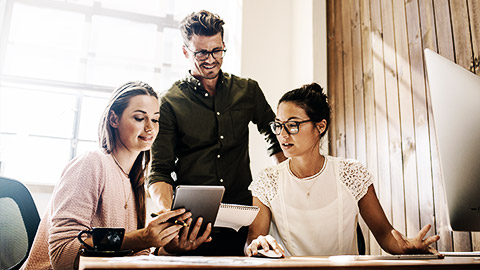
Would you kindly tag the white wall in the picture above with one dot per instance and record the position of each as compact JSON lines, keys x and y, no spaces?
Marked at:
{"x":283,"y":47}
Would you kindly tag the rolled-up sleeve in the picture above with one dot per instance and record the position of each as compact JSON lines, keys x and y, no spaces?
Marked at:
{"x":163,"y":149}
{"x":262,"y":118}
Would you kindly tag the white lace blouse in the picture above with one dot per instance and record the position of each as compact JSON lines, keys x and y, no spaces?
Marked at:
{"x":316,"y":215}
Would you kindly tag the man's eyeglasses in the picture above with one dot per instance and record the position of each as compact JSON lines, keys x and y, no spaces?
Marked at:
{"x":203,"y":54}
{"x":291,"y":127}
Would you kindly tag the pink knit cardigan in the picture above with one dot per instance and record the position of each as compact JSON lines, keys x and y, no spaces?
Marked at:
{"x":91,"y":193}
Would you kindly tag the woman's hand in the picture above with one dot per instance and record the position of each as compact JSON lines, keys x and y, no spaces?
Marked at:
{"x":188,"y":240}
{"x":159,"y":232}
{"x":266,"y":243}
{"x":417,"y":245}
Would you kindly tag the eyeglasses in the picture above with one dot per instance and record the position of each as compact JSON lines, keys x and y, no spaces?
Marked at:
{"x":203,"y":54}
{"x":291,"y":127}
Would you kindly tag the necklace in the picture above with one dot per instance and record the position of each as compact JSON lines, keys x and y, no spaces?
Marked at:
{"x":123,"y":186}
{"x":314,"y":177}
{"x":118,"y":164}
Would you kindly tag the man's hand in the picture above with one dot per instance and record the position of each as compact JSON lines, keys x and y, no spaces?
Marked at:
{"x":188,"y":238}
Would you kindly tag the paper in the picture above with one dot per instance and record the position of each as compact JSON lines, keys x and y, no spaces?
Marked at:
{"x":186,"y":260}
{"x":235,"y":216}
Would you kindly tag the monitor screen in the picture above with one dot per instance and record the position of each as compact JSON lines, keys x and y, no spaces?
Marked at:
{"x":455,"y":95}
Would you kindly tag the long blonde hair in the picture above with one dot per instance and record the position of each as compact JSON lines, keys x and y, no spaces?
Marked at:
{"x":108,"y":140}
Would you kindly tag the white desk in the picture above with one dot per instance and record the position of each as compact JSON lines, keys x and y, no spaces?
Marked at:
{"x":320,"y":262}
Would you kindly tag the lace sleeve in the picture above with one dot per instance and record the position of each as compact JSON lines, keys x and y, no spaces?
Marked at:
{"x":356,"y":177}
{"x":265,"y":186}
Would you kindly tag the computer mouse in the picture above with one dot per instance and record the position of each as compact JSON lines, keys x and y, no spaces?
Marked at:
{"x":268,"y":254}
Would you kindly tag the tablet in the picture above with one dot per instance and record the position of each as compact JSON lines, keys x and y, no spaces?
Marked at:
{"x":201,"y":201}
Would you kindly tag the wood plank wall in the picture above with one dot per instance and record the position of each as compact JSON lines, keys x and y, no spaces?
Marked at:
{"x":381,"y":103}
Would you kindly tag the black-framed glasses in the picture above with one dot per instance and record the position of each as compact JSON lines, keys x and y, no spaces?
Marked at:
{"x":203,"y":54}
{"x":291,"y":127}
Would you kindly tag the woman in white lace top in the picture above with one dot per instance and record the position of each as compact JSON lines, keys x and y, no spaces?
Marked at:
{"x":312,"y":201}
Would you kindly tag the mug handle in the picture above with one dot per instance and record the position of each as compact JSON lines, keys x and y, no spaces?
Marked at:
{"x":81,"y":240}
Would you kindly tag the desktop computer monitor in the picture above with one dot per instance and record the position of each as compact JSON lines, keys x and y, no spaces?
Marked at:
{"x":455,"y":95}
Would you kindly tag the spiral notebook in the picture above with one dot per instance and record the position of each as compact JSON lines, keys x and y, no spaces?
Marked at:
{"x":235,"y":216}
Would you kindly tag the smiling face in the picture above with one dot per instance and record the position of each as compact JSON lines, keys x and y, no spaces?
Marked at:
{"x":137,"y":127}
{"x":306,"y":141}
{"x":209,"y":68}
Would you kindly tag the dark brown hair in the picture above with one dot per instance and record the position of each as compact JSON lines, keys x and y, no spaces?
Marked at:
{"x":201,"y":23}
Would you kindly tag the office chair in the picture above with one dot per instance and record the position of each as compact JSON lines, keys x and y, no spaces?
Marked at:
{"x":19,"y":221}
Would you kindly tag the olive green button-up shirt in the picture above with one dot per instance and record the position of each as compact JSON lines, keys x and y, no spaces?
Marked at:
{"x":203,"y":139}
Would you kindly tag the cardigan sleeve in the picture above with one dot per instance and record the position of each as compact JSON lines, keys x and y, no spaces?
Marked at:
{"x":74,"y":203}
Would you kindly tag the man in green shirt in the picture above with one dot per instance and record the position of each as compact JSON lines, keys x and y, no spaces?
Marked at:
{"x":203,"y":137}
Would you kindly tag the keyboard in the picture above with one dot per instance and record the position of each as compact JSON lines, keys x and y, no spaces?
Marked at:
{"x":461,"y":253}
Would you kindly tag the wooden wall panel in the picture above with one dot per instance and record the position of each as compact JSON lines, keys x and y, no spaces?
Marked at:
{"x":422,"y":141}
{"x":383,"y":187}
{"x":371,"y":139}
{"x":339,"y":109}
{"x":443,"y":26}
{"x":358,"y":94}
{"x":332,"y":129}
{"x":382,"y":103}
{"x":348,"y":79}
{"x":406,"y":120}
{"x":461,"y":33}
{"x":474,"y":16}
{"x":393,"y":114}
{"x":358,"y":91}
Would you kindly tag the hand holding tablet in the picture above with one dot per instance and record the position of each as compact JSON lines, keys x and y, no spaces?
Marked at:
{"x":203,"y":203}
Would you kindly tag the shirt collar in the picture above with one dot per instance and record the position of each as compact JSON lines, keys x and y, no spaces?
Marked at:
{"x":194,"y":82}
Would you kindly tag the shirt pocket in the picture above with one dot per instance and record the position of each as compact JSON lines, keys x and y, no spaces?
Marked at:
{"x":240,"y":120}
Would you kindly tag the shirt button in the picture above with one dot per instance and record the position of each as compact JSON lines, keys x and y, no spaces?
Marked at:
{"x":198,"y":83}
{"x":221,"y":137}
{"x":195,"y":87}
{"x":206,"y":94}
{"x":221,"y":180}
{"x":218,"y":156}
{"x":218,"y":113}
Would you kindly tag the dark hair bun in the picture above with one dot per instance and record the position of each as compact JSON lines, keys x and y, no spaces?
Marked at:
{"x":313,"y":87}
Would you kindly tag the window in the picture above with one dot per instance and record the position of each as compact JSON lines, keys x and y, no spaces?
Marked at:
{"x":60,"y":60}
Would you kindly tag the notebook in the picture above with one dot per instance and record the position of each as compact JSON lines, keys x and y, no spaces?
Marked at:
{"x":235,"y":216}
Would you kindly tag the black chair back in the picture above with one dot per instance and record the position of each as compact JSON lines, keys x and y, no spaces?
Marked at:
{"x":360,"y":241}
{"x":19,"y":222}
